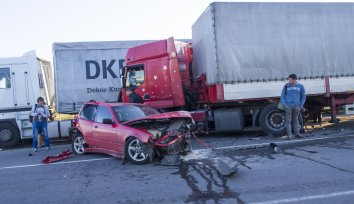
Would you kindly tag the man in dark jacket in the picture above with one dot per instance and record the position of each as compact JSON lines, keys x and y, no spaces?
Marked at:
{"x":134,"y":97}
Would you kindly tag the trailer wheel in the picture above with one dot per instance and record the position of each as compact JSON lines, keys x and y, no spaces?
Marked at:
{"x":9,"y":135}
{"x":272,"y":120}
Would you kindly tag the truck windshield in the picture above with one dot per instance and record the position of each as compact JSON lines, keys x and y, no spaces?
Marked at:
{"x":132,"y":112}
{"x":135,"y":76}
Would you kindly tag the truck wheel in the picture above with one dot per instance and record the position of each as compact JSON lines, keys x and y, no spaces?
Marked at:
{"x":9,"y":135}
{"x":137,"y":152}
{"x":78,"y":144}
{"x":272,"y":120}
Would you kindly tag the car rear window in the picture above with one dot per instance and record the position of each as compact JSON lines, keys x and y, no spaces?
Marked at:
{"x":132,"y":112}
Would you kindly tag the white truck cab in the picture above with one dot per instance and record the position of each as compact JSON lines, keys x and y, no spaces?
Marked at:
{"x":22,"y":81}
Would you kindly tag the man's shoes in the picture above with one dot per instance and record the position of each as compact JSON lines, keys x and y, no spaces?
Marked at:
{"x":35,"y":150}
{"x":285,"y":137}
{"x":299,"y":136}
{"x":48,"y":148}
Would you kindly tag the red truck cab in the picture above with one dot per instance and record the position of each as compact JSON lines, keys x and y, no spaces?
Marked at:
{"x":159,"y":72}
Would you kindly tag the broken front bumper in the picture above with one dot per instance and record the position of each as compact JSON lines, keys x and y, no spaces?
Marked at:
{"x":172,"y":143}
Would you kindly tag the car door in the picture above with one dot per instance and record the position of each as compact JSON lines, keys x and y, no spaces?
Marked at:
{"x":105,"y":135}
{"x":86,"y":121}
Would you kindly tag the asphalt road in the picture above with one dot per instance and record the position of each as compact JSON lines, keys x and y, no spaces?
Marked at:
{"x":317,"y":169}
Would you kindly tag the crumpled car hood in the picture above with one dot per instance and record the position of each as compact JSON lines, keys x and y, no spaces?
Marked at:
{"x":170,"y":132}
{"x":161,"y":116}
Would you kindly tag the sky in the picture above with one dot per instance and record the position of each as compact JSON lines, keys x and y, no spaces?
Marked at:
{"x":36,"y":24}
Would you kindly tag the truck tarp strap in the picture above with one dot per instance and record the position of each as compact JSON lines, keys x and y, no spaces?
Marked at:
{"x":59,"y":129}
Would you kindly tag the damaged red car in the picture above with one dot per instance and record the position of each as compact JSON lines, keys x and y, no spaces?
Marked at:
{"x":134,"y":132}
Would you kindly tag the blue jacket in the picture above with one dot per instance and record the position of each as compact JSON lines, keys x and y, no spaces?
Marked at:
{"x":293,"y":95}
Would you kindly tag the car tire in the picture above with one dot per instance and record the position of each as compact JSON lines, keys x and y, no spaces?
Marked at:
{"x":137,"y":152}
{"x":272,"y":120}
{"x":9,"y":135}
{"x":78,"y":144}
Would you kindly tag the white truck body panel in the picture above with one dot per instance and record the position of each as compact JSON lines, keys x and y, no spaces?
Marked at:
{"x":256,"y":90}
{"x":270,"y":89}
{"x":342,"y":84}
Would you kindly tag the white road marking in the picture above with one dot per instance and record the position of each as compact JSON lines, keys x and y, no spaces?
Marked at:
{"x":220,"y":148}
{"x":67,"y":162}
{"x":276,"y":142}
{"x":321,"y":196}
{"x":202,"y":153}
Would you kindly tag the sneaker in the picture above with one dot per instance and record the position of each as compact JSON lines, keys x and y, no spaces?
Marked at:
{"x":285,"y":137}
{"x":35,"y":150}
{"x":299,"y":136}
{"x":48,"y":148}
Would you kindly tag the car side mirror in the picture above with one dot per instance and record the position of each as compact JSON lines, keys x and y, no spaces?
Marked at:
{"x":146,"y":96}
{"x":107,"y":121}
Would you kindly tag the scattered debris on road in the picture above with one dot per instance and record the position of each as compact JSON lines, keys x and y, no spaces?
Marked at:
{"x":273,"y":148}
{"x":61,"y":156}
{"x":226,"y":168}
{"x":171,"y":160}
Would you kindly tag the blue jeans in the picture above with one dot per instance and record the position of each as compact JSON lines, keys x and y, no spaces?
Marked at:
{"x":36,"y":126}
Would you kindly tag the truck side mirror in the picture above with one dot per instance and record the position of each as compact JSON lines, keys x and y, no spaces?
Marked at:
{"x":146,"y":96}
{"x":121,"y":68}
{"x":121,"y":72}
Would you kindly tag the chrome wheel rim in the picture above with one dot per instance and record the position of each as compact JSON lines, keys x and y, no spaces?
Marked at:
{"x":135,"y":150}
{"x":276,"y":120}
{"x":79,"y":145}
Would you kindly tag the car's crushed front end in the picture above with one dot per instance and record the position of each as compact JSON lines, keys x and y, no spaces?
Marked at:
{"x":170,"y":132}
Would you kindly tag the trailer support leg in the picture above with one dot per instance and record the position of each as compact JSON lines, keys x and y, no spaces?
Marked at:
{"x":333,"y":110}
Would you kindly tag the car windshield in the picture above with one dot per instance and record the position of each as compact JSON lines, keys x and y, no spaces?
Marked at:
{"x":133,"y":112}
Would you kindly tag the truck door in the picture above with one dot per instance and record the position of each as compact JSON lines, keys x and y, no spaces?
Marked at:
{"x":6,"y":87}
{"x":158,"y":75}
{"x":135,"y":79}
{"x":20,"y":81}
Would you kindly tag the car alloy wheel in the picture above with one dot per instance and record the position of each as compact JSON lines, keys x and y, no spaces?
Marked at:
{"x":78,"y":145}
{"x":136,"y":151}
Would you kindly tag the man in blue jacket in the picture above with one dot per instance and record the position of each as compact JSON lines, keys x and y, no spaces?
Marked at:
{"x":293,"y":99}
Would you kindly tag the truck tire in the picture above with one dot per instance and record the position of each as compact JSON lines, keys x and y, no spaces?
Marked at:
{"x":272,"y":120}
{"x":9,"y":135}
